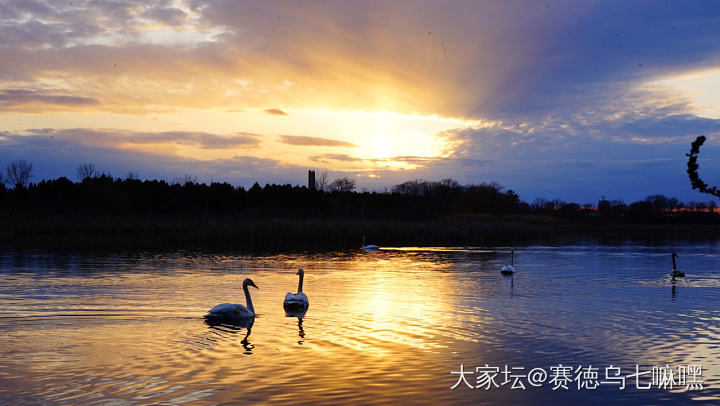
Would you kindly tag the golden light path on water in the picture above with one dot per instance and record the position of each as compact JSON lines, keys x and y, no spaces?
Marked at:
{"x":384,"y":327}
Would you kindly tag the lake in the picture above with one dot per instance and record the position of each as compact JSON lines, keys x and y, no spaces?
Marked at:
{"x":393,"y":326}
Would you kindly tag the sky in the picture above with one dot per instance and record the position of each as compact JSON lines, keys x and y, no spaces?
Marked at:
{"x":573,"y":100}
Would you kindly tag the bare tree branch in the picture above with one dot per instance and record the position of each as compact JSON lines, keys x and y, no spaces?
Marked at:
{"x":321,"y":180}
{"x":693,"y":166}
{"x":85,"y":171}
{"x":19,"y":173}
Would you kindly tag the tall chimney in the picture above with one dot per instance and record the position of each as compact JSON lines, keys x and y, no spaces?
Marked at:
{"x":311,"y":180}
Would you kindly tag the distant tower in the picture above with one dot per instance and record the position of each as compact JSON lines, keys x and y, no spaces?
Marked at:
{"x":311,"y":180}
{"x":603,"y":205}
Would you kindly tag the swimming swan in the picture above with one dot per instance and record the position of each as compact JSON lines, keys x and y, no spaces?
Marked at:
{"x":676,"y":273}
{"x":229,"y":311}
{"x":298,"y":302}
{"x":369,"y":247}
{"x":509,"y":269}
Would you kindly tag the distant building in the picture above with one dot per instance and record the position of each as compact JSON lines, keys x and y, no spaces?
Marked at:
{"x":311,"y":180}
{"x":603,"y":205}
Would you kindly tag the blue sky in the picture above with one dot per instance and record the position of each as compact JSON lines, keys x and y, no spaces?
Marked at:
{"x":570,"y":100}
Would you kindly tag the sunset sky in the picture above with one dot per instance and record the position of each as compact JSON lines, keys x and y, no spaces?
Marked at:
{"x":555,"y":99}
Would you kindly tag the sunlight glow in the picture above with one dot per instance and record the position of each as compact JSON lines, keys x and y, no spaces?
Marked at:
{"x":701,"y":88}
{"x":354,"y":141}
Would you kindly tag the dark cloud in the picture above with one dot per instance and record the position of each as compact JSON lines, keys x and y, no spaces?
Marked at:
{"x":15,"y":9}
{"x":167,"y":15}
{"x":276,"y":112}
{"x":12,"y":98}
{"x":416,"y":160}
{"x":325,"y":158}
{"x":673,"y":126}
{"x":314,"y":141}
{"x":108,"y":138}
{"x":205,"y":140}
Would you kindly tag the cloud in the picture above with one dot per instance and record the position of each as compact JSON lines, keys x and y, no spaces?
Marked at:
{"x":276,"y":112}
{"x":325,"y":158}
{"x":171,"y":16}
{"x":424,"y":57}
{"x":669,"y":127}
{"x":565,"y":81}
{"x":10,"y":99}
{"x":56,"y":153}
{"x":314,"y":141}
{"x":118,"y":139}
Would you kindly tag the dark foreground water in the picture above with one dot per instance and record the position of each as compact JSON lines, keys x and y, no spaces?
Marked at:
{"x":386,"y":327}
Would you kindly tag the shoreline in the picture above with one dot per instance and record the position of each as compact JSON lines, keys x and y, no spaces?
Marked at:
{"x":274,"y":234}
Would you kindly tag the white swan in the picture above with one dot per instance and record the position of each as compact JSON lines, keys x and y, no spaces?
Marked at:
{"x":676,"y":273}
{"x":509,"y":269}
{"x":230,"y":311}
{"x":298,"y":302}
{"x":369,"y":247}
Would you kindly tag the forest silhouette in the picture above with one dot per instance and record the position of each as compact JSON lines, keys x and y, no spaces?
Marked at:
{"x":99,"y":207}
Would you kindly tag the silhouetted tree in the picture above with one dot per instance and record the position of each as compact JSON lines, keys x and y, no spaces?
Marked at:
{"x":569,"y":210}
{"x":419,"y":187}
{"x":185,"y":179}
{"x":344,"y":184}
{"x":321,"y":181}
{"x":539,"y":203}
{"x":661,"y":203}
{"x":85,"y":171}
{"x":415,"y":187}
{"x":19,"y":173}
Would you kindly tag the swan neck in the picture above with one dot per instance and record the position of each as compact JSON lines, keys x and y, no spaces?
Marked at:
{"x":674,"y":266}
{"x":512,"y":258}
{"x":248,"y":300}
{"x":300,"y":283}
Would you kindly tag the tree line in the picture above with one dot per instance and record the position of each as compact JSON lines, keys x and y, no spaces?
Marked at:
{"x":99,"y":193}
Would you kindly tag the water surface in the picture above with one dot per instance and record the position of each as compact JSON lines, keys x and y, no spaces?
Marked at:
{"x":390,"y":326}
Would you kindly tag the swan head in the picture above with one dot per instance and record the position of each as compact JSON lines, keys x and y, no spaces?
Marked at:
{"x":248,"y":282}
{"x":675,"y":255}
{"x":300,"y":272}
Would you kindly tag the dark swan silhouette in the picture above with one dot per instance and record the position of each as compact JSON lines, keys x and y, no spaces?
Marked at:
{"x":231,"y":312}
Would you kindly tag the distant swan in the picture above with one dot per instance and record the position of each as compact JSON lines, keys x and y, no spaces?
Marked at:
{"x":676,"y":273}
{"x":298,"y":302}
{"x":369,"y":247}
{"x":233,"y":312}
{"x":509,"y":269}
